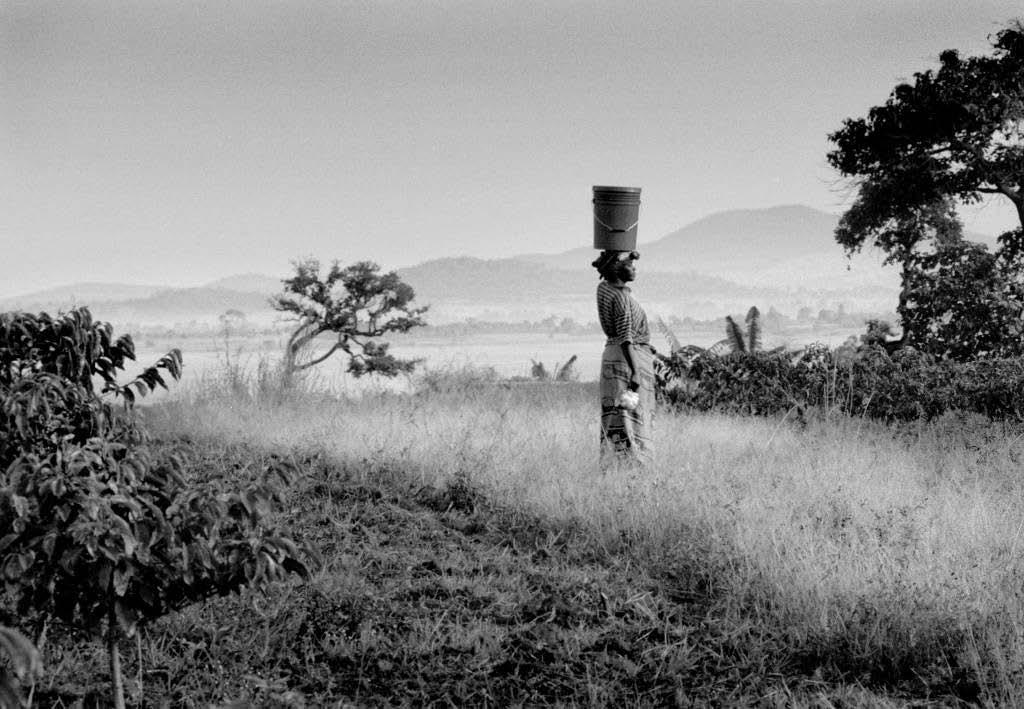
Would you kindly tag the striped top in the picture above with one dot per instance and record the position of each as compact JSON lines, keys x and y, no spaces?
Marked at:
{"x":621,"y":317}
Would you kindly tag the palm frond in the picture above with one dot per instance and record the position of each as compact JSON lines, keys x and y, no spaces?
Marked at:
{"x":674,"y":344}
{"x":753,"y":329}
{"x":720,"y":348}
{"x":566,"y":373}
{"x":539,"y":371}
{"x":734,"y":335}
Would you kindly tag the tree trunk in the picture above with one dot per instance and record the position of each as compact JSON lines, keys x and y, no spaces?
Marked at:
{"x":138,"y":657}
{"x":302,"y":335}
{"x":116,"y":680}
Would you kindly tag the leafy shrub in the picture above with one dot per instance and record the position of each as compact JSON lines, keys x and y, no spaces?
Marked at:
{"x":867,"y":380}
{"x":99,"y":527}
{"x":560,"y":372}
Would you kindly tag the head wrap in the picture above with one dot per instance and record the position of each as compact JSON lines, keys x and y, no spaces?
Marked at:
{"x":607,"y":259}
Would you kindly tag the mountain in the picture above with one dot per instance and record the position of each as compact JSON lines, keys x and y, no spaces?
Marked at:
{"x":512,"y":280}
{"x":779,"y":248}
{"x":517,"y":289}
{"x":783,"y":256}
{"x":722,"y":241}
{"x":165,"y":306}
{"x":749,"y":236}
{"x":78,"y":293}
{"x":248,"y":283}
{"x":201,"y":304}
{"x":786,"y":247}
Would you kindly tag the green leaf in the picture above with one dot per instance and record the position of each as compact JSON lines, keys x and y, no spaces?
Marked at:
{"x":20,"y":505}
{"x":122,"y":577}
{"x":25,"y":560}
{"x":127,"y":618}
{"x":7,"y":540}
{"x":49,"y":543}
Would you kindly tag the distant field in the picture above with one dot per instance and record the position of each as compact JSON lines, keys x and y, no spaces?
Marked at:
{"x":509,"y":354}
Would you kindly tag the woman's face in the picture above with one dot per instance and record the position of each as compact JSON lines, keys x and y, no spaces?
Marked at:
{"x":624,"y":271}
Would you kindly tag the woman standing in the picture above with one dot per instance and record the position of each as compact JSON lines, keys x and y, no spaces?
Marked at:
{"x":627,"y":365}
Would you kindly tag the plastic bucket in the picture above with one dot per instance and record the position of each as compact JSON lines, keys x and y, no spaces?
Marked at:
{"x":616,"y":215}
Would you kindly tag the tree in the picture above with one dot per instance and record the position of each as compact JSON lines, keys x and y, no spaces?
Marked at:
{"x":357,"y":304}
{"x":232,"y":321}
{"x":954,"y":135}
{"x":957,"y":132}
{"x":100,"y":528}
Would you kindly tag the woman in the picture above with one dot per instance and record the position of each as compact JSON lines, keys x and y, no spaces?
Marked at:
{"x":627,"y":364}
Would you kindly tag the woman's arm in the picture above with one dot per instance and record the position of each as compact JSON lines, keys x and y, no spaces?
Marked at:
{"x":614,"y":308}
{"x":627,"y":353}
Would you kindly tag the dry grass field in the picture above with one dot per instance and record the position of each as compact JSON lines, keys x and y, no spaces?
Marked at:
{"x":473,"y":555}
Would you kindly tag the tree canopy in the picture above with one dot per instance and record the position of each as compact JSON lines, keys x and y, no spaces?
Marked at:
{"x":357,"y":304}
{"x":953,"y":134}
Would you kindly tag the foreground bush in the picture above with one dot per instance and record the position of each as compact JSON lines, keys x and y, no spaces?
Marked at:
{"x":99,"y":529}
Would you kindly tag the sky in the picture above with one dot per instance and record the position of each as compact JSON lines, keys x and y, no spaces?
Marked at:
{"x":179,"y":142}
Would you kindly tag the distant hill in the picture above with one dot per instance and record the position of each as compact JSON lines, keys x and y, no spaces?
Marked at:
{"x":786,"y":247}
{"x":78,"y":294}
{"x":514,"y":289}
{"x":784,"y":257}
{"x":789,"y":246}
{"x":499,"y":280}
{"x":248,"y":283}
{"x":722,"y":241}
{"x":184,"y":304}
{"x":165,"y":306}
{"x":749,"y":236}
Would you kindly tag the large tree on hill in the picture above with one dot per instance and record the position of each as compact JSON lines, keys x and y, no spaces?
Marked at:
{"x":954,"y":135}
{"x":356,"y":304}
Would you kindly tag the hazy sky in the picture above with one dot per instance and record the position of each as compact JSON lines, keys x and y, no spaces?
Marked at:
{"x":178,"y":142}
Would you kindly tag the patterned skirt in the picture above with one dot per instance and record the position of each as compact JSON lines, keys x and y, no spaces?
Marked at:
{"x":626,"y":434}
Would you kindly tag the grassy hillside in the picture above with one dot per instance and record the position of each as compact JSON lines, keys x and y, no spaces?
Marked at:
{"x":474,"y":555}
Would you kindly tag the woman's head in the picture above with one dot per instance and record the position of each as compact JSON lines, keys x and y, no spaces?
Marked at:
{"x":616,"y":265}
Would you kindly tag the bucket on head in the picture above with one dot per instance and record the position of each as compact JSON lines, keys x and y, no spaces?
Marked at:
{"x":616,"y":215}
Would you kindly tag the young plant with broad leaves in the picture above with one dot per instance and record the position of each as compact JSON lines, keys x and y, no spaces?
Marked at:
{"x":100,"y":527}
{"x":734,"y":335}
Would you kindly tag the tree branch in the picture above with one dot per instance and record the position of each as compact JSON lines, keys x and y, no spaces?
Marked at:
{"x":318,"y":360}
{"x":1002,"y":186}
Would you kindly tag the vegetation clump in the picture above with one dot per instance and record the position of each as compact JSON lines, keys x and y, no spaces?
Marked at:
{"x":101,"y":530}
{"x":952,"y":135}
{"x":356,"y":304}
{"x":865,"y":379}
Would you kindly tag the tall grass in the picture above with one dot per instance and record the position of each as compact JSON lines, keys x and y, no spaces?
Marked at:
{"x":876,"y":552}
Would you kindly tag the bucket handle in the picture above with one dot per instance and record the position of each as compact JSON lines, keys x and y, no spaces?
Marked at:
{"x":613,"y":230}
